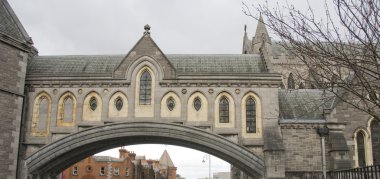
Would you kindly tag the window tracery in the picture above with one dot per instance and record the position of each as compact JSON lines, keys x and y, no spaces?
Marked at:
{"x":119,"y":103}
{"x":170,"y":103}
{"x":223,"y":110}
{"x":145,"y":88}
{"x":197,"y":103}
{"x":250,"y":115}
{"x":93,"y":103}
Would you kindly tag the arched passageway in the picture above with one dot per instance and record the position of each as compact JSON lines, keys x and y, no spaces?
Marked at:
{"x":55,"y":157}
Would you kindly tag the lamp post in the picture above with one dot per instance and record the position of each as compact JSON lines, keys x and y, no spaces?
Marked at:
{"x":323,"y":132}
{"x":208,"y":157}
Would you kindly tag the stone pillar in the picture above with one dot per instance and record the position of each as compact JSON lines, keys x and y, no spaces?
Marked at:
{"x":274,"y":153}
{"x":274,"y":163}
{"x":339,"y":152}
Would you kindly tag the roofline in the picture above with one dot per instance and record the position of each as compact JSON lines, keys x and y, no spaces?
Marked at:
{"x":13,"y":15}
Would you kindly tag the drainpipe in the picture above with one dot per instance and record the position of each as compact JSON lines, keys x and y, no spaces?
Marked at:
{"x":323,"y":132}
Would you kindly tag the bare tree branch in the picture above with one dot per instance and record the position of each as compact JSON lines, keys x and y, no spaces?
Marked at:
{"x":340,"y":51}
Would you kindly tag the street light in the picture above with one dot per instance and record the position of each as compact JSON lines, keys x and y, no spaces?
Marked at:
{"x":208,"y":157}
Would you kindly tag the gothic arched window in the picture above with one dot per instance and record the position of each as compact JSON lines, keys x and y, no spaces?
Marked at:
{"x":224,"y":110}
{"x":197,"y":103}
{"x":251,"y":115}
{"x":291,"y":81}
{"x":43,"y":114}
{"x":170,"y":103}
{"x":145,"y":88}
{"x":68,"y":109}
{"x":360,"y":141}
{"x":93,"y":103}
{"x":375,"y":138}
{"x":118,"y":103}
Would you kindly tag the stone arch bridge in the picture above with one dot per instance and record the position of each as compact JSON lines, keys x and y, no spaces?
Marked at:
{"x":51,"y":159}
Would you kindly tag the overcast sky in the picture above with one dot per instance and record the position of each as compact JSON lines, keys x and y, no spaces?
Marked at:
{"x":113,"y":27}
{"x":73,"y":27}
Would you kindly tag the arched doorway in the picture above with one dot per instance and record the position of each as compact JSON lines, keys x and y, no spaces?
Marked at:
{"x":58,"y":155}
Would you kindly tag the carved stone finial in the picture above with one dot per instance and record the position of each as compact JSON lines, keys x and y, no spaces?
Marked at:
{"x":147,"y":28}
{"x":245,"y":27}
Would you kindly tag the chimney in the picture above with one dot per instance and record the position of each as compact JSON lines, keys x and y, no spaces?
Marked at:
{"x":132,"y":156}
{"x":123,"y":153}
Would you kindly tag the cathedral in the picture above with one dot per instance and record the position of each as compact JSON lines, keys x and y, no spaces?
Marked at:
{"x":252,"y":99}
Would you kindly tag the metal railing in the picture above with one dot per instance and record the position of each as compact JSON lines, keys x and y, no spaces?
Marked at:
{"x":370,"y":172}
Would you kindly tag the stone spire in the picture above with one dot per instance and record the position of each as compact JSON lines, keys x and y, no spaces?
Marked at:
{"x":247,"y":44}
{"x":261,"y":32}
{"x":261,"y":37}
{"x":165,"y":160}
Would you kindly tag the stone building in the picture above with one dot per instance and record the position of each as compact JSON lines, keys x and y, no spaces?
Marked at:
{"x":49,"y":99}
{"x":127,"y":166}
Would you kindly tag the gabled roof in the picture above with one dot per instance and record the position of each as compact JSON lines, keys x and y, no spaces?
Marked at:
{"x":304,"y":104}
{"x":145,"y":47}
{"x":10,"y":24}
{"x":79,"y":65}
{"x":165,"y":160}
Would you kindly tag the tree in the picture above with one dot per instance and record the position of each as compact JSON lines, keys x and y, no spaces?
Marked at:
{"x":341,"y":51}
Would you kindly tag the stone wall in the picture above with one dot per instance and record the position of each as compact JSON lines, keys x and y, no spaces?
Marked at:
{"x":303,"y":148}
{"x":12,"y":75}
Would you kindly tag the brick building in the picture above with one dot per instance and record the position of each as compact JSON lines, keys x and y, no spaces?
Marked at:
{"x":127,"y":166}
{"x":250,"y":99}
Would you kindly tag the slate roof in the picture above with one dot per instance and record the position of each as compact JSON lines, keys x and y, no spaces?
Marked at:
{"x":107,"y":159}
{"x":304,"y":104}
{"x":9,"y":23}
{"x":70,"y":65}
{"x":217,"y":63}
{"x":77,"y":65}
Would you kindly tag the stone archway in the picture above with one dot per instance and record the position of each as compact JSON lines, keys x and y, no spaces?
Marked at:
{"x":56,"y":156}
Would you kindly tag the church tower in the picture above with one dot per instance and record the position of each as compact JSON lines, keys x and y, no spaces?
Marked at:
{"x":16,"y":47}
{"x":261,"y":39}
{"x":167,"y":166}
